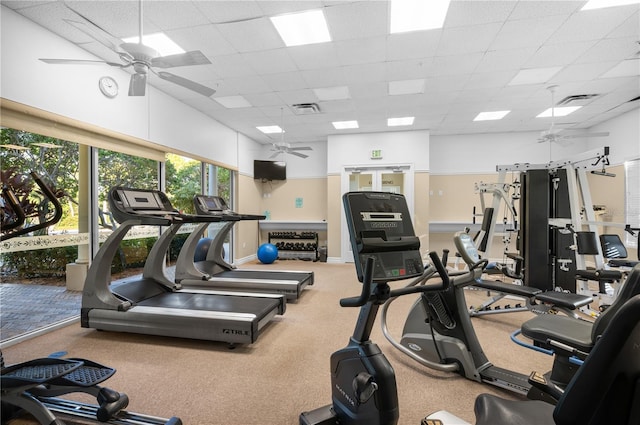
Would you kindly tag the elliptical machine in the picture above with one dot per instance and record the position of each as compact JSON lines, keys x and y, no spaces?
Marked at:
{"x":385,"y":247}
{"x":438,"y":332}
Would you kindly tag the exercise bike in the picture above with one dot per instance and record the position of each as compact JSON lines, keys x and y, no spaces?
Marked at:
{"x":385,"y":247}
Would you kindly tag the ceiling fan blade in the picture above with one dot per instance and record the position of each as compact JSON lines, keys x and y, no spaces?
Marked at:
{"x":195,"y":57}
{"x":586,"y":134}
{"x":301,"y":155}
{"x":275,"y":154}
{"x":191,"y":85}
{"x":81,"y":62}
{"x":138,"y":84}
{"x":301,"y":148}
{"x":98,"y":34}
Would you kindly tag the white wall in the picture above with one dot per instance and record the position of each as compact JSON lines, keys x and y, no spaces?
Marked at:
{"x":623,"y":139}
{"x":480,"y":153}
{"x":72,"y":91}
{"x":402,"y":147}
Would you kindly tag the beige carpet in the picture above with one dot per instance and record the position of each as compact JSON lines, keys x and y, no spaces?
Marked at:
{"x":287,"y":370}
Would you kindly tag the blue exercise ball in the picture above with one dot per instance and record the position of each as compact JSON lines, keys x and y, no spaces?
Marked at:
{"x":267,"y":253}
{"x":202,"y":249}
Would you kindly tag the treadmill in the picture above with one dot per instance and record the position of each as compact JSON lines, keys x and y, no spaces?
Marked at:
{"x":215,"y":272}
{"x":153,"y":304}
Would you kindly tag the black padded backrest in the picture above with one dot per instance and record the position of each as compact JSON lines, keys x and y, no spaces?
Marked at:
{"x":612,"y":247}
{"x":606,"y":388}
{"x":487,"y":219}
{"x":630,"y":288}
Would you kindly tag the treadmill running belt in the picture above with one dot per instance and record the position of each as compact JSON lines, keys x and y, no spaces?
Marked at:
{"x":262,"y":274}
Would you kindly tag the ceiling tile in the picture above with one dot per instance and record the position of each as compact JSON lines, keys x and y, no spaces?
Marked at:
{"x":314,"y":56}
{"x":231,"y":66}
{"x":225,"y":11}
{"x":285,"y":81}
{"x":171,"y":14}
{"x":557,"y":54}
{"x":361,"y":51}
{"x":407,"y":69}
{"x":516,"y":34}
{"x":501,"y":60}
{"x":412,"y":45}
{"x":591,"y":24}
{"x":455,"y":64}
{"x":270,"y":61}
{"x":472,"y":12}
{"x":193,"y":39}
{"x":251,"y":35}
{"x":362,"y":19}
{"x":461,"y":40}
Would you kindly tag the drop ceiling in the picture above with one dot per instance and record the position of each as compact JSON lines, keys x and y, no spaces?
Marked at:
{"x":468,"y":66}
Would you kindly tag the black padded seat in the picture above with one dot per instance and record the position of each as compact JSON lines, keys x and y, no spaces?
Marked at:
{"x":578,"y":333}
{"x":605,"y":389}
{"x":564,"y":329}
{"x":491,"y":410}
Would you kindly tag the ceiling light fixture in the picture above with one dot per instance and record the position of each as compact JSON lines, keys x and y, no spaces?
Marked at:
{"x":332,"y":93}
{"x":491,"y":115}
{"x":342,"y":125}
{"x":534,"y":76}
{"x":158,"y":41}
{"x":270,"y":129}
{"x":297,"y":29}
{"x":561,"y":111}
{"x":406,"y":87}
{"x":395,"y":122}
{"x":599,"y":4}
{"x":416,"y":15}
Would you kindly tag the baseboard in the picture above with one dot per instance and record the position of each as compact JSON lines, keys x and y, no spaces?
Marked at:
{"x":247,"y":259}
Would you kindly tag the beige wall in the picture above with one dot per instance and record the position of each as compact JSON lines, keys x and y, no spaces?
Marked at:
{"x":334,"y":220}
{"x":438,"y":198}
{"x":610,"y":192}
{"x":248,"y":201}
{"x":452,"y":200}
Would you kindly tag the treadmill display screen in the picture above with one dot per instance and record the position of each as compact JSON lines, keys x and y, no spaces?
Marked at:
{"x":141,"y":200}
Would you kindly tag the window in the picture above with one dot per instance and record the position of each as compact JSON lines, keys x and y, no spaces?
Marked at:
{"x":632,"y":198}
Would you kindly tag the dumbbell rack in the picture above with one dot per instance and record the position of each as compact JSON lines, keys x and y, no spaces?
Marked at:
{"x":295,"y":245}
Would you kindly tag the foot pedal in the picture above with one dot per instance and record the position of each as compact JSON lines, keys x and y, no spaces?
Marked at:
{"x":87,"y":375}
{"x":38,"y":371}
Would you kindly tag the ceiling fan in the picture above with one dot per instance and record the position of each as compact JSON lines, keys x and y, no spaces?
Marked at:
{"x":140,"y":58}
{"x":286,"y":148}
{"x":558,"y":135}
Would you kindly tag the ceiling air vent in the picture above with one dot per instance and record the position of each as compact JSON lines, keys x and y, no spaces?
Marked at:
{"x":577,"y":99}
{"x":306,"y":108}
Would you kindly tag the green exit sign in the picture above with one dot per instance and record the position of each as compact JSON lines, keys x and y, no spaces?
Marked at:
{"x":376,"y":154}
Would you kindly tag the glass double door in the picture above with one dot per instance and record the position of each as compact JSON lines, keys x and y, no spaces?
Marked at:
{"x":393,"y":179}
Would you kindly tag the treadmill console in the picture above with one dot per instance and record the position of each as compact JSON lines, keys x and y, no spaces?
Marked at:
{"x":380,"y":227}
{"x":216,"y":205}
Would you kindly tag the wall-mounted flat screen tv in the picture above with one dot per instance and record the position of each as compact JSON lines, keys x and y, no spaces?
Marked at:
{"x":269,"y":170}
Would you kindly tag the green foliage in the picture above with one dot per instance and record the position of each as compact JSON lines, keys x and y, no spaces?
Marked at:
{"x":118,"y":169}
{"x":49,"y":262}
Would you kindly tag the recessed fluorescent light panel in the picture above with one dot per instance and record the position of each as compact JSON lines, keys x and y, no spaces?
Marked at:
{"x":491,"y":115}
{"x":560,"y":111}
{"x":297,"y":29}
{"x":158,"y":41}
{"x":599,"y":4}
{"x":534,"y":76}
{"x":270,"y":129}
{"x":406,"y":87}
{"x":231,"y":102}
{"x":342,"y":125}
{"x":416,"y":15}
{"x":626,"y":68}
{"x":395,"y":122}
{"x":332,"y":93}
